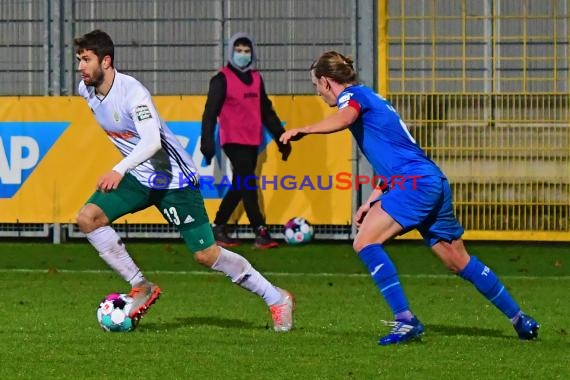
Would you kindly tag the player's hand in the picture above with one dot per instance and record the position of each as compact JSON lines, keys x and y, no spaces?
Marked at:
{"x":360,"y":214}
{"x":109,"y":181}
{"x":292,"y":135}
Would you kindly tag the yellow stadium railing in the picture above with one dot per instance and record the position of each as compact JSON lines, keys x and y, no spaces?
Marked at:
{"x":484,"y":88}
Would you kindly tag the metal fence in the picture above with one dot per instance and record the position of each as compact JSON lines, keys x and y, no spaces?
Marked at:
{"x":484,"y":87}
{"x":172,"y":46}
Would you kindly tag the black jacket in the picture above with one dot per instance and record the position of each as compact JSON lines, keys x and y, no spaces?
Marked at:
{"x":214,"y":103}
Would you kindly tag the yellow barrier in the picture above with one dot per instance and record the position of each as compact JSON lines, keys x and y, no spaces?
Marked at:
{"x":52,"y":153}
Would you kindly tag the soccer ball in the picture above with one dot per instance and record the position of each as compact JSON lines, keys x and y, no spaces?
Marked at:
{"x":298,"y":231}
{"x":113,"y":313}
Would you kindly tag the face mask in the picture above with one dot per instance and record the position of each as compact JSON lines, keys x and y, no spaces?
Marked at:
{"x":241,"y":59}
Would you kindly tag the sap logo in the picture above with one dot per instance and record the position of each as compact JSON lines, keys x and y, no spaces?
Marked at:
{"x":22,"y":146}
{"x":189,"y":133}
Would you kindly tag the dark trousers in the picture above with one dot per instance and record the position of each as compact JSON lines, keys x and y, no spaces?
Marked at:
{"x":244,"y":186}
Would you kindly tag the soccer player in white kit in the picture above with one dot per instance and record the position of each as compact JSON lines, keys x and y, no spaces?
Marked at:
{"x":155,"y":171}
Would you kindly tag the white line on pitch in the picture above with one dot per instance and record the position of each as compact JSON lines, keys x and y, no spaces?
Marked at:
{"x":286,"y":274}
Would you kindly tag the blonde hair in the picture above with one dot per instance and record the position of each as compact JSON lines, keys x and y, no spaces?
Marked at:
{"x":335,"y":66}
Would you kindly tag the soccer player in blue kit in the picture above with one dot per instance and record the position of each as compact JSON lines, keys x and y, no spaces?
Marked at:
{"x":422,"y":201}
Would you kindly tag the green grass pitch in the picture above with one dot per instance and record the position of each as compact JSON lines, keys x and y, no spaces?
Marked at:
{"x":204,"y":327}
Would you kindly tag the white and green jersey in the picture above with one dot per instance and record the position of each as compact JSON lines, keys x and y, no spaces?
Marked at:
{"x":152,"y":152}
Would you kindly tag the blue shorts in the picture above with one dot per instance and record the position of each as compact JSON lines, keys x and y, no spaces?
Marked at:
{"x":425,"y":205}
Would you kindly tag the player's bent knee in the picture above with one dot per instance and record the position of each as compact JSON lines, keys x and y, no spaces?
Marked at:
{"x":453,"y":256}
{"x":90,"y":218}
{"x":81,"y":221}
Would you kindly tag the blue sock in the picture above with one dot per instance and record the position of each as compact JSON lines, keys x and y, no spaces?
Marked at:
{"x":385,"y":277}
{"x":488,"y":284}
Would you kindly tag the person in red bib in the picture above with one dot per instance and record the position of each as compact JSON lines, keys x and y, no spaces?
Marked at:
{"x":238,"y":101}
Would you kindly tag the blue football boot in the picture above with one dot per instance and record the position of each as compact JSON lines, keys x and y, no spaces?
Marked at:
{"x":402,"y":331}
{"x":527,"y":327}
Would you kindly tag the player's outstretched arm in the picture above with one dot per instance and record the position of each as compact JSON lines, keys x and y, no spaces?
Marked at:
{"x":338,"y":121}
{"x":331,"y":124}
{"x":291,"y":135}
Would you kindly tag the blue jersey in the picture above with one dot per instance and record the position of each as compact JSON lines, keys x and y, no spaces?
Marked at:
{"x":383,"y":137}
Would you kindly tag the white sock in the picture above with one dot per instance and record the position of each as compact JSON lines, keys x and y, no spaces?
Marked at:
{"x":242,"y":273}
{"x":113,"y":251}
